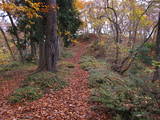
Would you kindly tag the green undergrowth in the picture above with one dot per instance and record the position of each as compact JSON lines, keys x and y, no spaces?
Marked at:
{"x":66,"y":54}
{"x":90,"y":62}
{"x":128,"y":100}
{"x":28,"y":93}
{"x":129,"y":97}
{"x":16,"y":66}
{"x":98,"y":49}
{"x":44,"y":80}
{"x":36,"y":85}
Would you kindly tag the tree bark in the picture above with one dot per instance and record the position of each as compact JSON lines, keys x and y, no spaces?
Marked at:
{"x":7,"y":43}
{"x":49,"y":47}
{"x":33,"y":49}
{"x":156,"y":75}
{"x":17,"y":37}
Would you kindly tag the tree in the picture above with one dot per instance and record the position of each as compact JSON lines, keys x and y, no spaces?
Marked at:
{"x":49,"y":47}
{"x":68,"y":20}
{"x":15,"y":33}
{"x":156,"y":75}
{"x":7,"y":43}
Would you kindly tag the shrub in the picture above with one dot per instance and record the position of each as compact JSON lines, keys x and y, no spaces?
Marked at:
{"x":129,"y":100}
{"x":89,"y":62}
{"x":137,"y":67}
{"x":35,"y":86}
{"x":145,"y":53}
{"x":27,"y":93}
{"x":97,"y":77}
{"x":67,"y":54}
{"x":98,"y":49}
{"x":128,"y":97}
{"x":44,"y":80}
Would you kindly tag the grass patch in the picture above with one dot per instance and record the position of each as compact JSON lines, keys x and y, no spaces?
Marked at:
{"x":129,"y":97}
{"x":27,"y":93}
{"x":67,"y":54}
{"x":128,"y":101}
{"x":44,"y":80}
{"x":16,"y":66}
{"x":9,"y":67}
{"x":36,"y":85}
{"x":89,"y":62}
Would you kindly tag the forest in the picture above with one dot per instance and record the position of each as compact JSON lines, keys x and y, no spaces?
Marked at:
{"x":79,"y":59}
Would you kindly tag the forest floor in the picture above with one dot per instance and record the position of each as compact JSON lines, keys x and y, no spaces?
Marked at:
{"x":70,"y":103}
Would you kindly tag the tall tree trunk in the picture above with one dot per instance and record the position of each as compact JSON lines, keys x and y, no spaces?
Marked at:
{"x":156,"y":75}
{"x":33,"y":49}
{"x":16,"y":35}
{"x":7,"y":43}
{"x":49,"y":47}
{"x":60,"y":47}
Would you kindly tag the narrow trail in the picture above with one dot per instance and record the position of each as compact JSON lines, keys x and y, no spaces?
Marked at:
{"x":70,"y":103}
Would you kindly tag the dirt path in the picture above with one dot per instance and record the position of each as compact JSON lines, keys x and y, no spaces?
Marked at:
{"x":71,"y":103}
